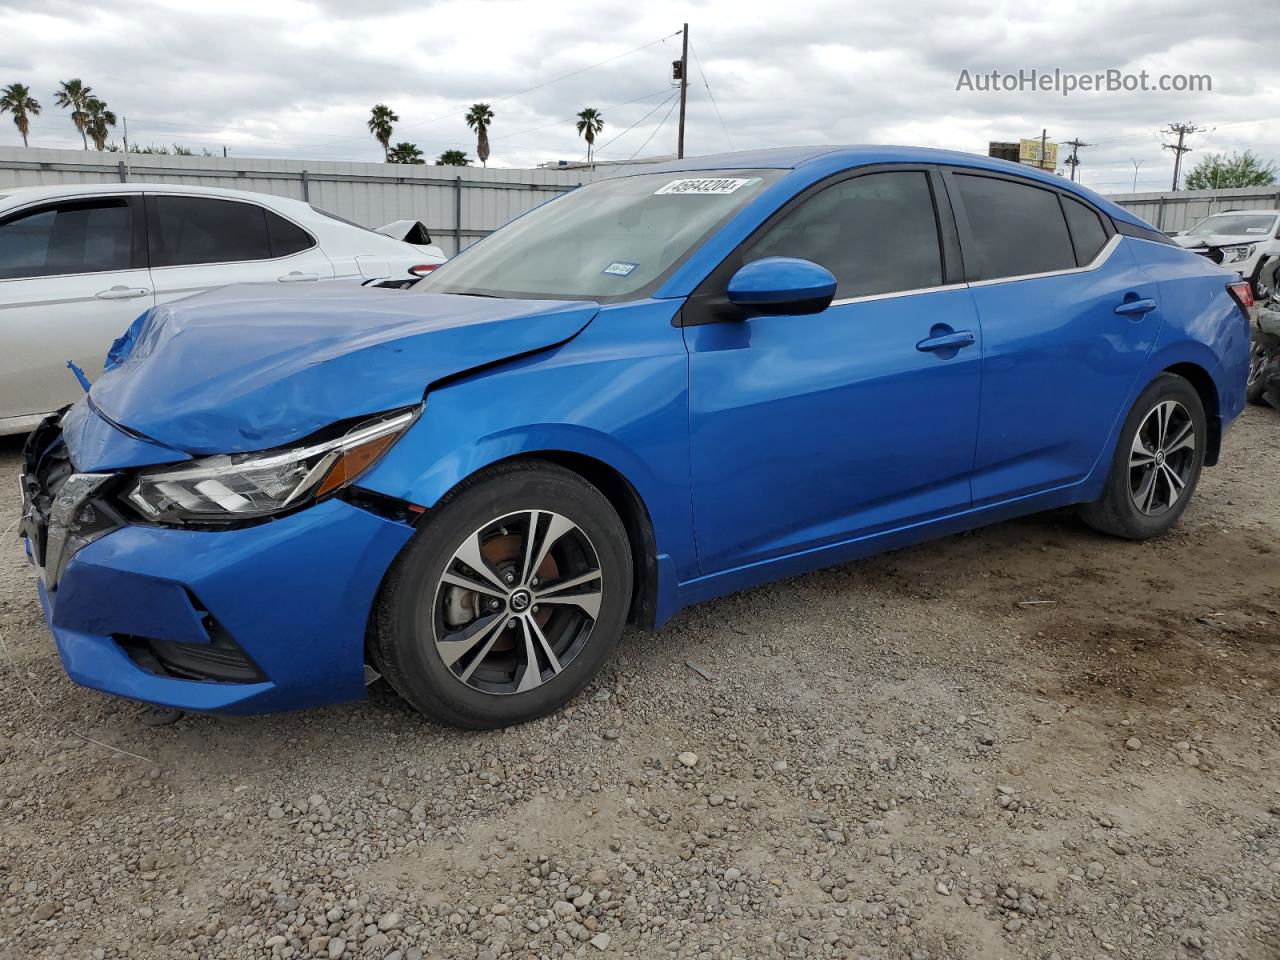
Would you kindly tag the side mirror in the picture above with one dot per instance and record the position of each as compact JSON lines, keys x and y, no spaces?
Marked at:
{"x":782,"y":286}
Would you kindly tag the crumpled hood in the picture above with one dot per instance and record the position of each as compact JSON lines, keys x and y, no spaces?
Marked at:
{"x":252,"y":366}
{"x":1219,"y":240}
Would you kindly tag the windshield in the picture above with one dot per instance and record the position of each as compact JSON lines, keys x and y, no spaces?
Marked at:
{"x":610,"y":240}
{"x":1229,"y":224}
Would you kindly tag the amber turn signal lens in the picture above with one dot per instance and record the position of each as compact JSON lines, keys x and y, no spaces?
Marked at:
{"x":351,"y":463}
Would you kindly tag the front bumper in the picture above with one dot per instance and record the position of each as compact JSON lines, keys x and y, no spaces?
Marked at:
{"x":289,"y":598}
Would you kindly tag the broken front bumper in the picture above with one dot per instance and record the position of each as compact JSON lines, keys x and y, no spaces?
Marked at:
{"x":252,"y":620}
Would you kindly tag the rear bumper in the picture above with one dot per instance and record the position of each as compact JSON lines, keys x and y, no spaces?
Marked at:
{"x":291,"y":598}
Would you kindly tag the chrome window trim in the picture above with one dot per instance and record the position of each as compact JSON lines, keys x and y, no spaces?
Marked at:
{"x":1101,"y":258}
{"x":899,"y":293}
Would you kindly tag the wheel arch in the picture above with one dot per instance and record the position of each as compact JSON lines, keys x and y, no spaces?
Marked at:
{"x":1202,"y":381}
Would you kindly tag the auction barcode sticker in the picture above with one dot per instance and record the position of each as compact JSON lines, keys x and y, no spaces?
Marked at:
{"x":706,"y":185}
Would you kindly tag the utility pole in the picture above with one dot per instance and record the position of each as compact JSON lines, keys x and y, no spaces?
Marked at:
{"x":1044,"y":147}
{"x":1073,"y":161}
{"x":1182,"y":130}
{"x":684,"y":88}
{"x":1136,"y":164}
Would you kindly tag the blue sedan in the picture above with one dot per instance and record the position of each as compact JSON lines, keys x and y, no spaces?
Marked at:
{"x":646,"y":393}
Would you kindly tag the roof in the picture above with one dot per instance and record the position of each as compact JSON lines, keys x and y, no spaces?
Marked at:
{"x":856,"y":155}
{"x":55,"y":190}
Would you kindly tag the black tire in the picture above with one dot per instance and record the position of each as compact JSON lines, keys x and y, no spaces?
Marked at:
{"x":1116,"y":512}
{"x":412,"y":603}
{"x":1256,"y":384}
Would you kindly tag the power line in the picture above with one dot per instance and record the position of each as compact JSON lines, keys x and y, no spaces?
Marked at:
{"x":711,"y":96}
{"x":556,"y":123}
{"x":666,"y":117}
{"x":671,"y":95}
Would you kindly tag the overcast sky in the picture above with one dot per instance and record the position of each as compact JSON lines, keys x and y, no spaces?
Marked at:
{"x":290,"y":78}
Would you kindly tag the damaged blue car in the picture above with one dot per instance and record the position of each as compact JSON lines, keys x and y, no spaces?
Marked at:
{"x":651,"y":391}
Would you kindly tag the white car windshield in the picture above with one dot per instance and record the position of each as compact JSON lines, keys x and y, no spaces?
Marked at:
{"x":607,"y":241}
{"x":1261,"y":225}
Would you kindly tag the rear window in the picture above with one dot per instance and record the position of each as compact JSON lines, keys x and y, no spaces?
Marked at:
{"x":192,"y":230}
{"x":1087,"y":231}
{"x":1017,"y":229}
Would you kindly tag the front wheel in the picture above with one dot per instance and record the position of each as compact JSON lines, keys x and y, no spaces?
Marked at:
{"x":1259,"y":354}
{"x":508,"y":600}
{"x":1157,"y":462}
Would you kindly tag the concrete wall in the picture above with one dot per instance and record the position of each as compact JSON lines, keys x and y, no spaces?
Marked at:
{"x":458,"y":204}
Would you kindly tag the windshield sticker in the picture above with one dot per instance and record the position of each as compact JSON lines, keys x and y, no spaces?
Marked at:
{"x":1255,"y":229}
{"x":619,"y":268}
{"x":705,"y":186}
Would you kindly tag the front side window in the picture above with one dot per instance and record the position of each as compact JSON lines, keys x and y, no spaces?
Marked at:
{"x":610,"y":240}
{"x":192,"y":230}
{"x":1016,"y":229}
{"x":75,"y":236}
{"x":876,"y":233}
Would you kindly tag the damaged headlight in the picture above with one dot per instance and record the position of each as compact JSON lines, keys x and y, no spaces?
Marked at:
{"x":228,"y":488}
{"x":1237,"y":254}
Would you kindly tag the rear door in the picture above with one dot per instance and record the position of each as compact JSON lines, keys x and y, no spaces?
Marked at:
{"x":1068,"y":319}
{"x":810,"y":430}
{"x":197,"y":243}
{"x":73,"y":277}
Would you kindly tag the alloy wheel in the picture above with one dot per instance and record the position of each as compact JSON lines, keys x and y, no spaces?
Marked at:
{"x":517,"y":601}
{"x":1257,"y":360}
{"x":1162,"y":458}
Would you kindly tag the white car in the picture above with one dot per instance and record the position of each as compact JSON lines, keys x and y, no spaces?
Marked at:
{"x":1240,"y":240}
{"x":79,"y":262}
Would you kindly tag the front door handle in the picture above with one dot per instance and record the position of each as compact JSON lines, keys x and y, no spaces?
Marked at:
{"x":295,"y":276}
{"x":942,"y":339}
{"x":1136,"y":307}
{"x":122,"y":293}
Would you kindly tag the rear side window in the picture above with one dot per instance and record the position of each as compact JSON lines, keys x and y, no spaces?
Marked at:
{"x":286,"y":238}
{"x":876,"y":233}
{"x":1017,"y":229}
{"x":75,"y":236}
{"x":191,"y":230}
{"x":1087,"y":232}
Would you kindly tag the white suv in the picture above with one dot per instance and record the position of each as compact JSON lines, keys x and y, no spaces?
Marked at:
{"x":78,"y":262}
{"x":1240,"y":240}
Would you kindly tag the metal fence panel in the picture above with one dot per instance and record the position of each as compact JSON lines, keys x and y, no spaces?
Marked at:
{"x":367,"y":193}
{"x":1183,"y":209}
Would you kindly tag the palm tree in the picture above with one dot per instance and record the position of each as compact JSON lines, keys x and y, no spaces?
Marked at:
{"x":590,"y":123}
{"x":405,"y":153}
{"x":73,"y":94}
{"x":381,"y":117}
{"x":453,"y":158}
{"x":16,"y":99}
{"x":97,"y":118}
{"x":478,"y":119}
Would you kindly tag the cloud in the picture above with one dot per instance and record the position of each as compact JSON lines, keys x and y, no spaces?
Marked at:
{"x":296,"y":78}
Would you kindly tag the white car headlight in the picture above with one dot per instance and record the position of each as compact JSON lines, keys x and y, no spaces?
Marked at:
{"x":229,"y":488}
{"x":1236,"y":254}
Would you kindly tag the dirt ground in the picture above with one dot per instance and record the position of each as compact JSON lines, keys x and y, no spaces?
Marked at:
{"x":1030,"y":741}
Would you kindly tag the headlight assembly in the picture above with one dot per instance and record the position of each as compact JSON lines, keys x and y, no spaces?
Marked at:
{"x":1236,"y":254}
{"x":247,"y":486}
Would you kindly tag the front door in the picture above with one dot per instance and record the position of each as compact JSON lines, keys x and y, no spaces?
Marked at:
{"x":72,"y":279}
{"x":811,"y":430}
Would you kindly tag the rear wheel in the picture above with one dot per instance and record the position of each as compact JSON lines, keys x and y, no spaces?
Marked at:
{"x":1157,"y":462}
{"x":509,"y":599}
{"x":1257,"y":362}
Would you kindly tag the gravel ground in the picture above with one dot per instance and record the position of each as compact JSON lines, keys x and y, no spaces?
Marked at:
{"x":1030,"y":741}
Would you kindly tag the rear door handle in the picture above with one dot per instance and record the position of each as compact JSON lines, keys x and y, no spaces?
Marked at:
{"x":1131,"y":307}
{"x":955,"y":340}
{"x":122,"y":293}
{"x":296,"y":276}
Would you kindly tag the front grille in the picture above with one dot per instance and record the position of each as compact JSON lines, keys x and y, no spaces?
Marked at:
{"x":1215,"y":254}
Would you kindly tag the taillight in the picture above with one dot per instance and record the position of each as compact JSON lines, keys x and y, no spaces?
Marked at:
{"x":1242,"y":291}
{"x":422,"y":269}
